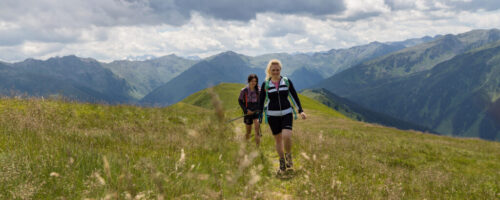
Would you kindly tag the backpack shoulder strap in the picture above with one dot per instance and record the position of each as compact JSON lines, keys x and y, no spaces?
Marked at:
{"x":286,"y":81}
{"x":266,"y":89}
{"x":245,"y":92}
{"x":290,"y":96}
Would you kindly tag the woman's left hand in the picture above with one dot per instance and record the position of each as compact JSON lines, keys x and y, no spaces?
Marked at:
{"x":303,"y":115}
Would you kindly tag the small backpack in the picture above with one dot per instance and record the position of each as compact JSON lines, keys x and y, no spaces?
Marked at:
{"x":245,"y":93}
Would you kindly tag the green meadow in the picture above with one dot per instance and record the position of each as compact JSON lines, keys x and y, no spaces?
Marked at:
{"x":55,"y":149}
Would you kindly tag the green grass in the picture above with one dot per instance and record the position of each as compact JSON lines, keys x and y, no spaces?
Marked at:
{"x":63,"y":150}
{"x":227,"y":92}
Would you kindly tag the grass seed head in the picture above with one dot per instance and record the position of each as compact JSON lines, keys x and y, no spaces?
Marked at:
{"x":303,"y":154}
{"x":54,"y":174}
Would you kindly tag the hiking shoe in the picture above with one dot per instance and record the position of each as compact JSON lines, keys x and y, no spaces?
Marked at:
{"x":289,"y":162}
{"x":282,"y":165}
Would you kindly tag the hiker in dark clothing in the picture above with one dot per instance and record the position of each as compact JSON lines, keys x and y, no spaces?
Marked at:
{"x":277,"y":110}
{"x":248,"y":100}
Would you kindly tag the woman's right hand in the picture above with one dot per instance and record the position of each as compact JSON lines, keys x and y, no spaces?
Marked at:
{"x":249,"y":112}
{"x":303,"y":115}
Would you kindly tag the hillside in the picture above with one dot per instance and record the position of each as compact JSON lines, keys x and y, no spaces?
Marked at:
{"x":357,"y":112}
{"x":304,"y":78}
{"x":63,"y":150}
{"x":457,"y":97}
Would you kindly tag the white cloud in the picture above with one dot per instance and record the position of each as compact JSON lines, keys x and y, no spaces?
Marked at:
{"x":109,"y":30}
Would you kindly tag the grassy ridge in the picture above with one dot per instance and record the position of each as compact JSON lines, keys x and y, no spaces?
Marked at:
{"x":53,"y":149}
{"x":228,"y":95}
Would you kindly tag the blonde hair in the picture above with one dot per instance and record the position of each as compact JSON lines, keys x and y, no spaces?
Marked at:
{"x":268,"y":69}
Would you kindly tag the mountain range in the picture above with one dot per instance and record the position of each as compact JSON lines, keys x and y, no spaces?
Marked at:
{"x":145,"y":76}
{"x":72,"y":77}
{"x":424,"y":56}
{"x":447,"y":83}
{"x":457,"y":97}
{"x":305,"y":69}
{"x":225,"y":67}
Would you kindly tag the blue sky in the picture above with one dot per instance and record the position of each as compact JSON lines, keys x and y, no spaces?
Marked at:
{"x":116,"y":29}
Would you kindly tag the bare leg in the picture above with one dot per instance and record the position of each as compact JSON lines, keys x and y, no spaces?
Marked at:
{"x":279,"y":145}
{"x":287,"y":140}
{"x":249,"y":130}
{"x":257,"y":131}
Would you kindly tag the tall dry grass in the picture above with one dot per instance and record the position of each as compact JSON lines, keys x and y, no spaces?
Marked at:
{"x":55,"y":149}
{"x":58,"y":149}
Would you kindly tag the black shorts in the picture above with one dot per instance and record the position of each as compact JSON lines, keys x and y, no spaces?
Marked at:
{"x":248,"y":119}
{"x":278,"y":123}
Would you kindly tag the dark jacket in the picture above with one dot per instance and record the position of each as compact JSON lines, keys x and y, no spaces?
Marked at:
{"x":278,"y":99}
{"x":247,"y":95}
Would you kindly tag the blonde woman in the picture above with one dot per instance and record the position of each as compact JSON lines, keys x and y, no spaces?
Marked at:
{"x":277,"y":110}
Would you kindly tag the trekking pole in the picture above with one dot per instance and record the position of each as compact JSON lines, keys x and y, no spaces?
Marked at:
{"x":231,"y":120}
{"x":235,"y":119}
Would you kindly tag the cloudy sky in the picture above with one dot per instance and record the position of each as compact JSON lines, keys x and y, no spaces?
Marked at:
{"x":116,"y":29}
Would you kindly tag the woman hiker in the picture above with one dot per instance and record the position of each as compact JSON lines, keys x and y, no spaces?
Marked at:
{"x":248,"y":100}
{"x":278,"y":111}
